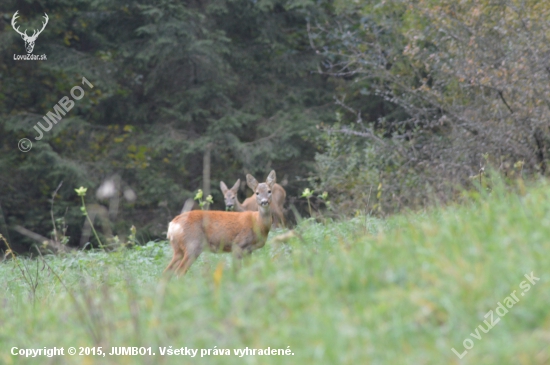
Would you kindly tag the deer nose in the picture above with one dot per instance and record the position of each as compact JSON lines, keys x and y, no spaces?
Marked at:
{"x":264,"y":202}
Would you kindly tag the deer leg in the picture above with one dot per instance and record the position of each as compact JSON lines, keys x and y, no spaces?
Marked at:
{"x":237,"y":256}
{"x":179,"y":252}
{"x":178,"y":255}
{"x":278,"y":217}
{"x":190,"y":255}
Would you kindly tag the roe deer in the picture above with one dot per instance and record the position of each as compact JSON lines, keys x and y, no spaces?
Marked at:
{"x":232,"y":202}
{"x":241,"y":233}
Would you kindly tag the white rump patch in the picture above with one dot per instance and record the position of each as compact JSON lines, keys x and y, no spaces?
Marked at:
{"x":174,"y":229}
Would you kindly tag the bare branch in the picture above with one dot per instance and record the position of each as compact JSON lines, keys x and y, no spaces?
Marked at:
{"x":41,"y":239}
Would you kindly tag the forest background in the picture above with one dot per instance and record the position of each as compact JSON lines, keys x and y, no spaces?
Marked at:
{"x":384,"y":105}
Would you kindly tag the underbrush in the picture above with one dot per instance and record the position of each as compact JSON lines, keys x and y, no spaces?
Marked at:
{"x":405,"y":290}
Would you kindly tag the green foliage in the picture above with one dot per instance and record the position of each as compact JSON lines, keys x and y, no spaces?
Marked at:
{"x":401,"y":291}
{"x":202,"y":203}
{"x":82,"y":193}
{"x":436,"y":86}
{"x":307,"y":194}
{"x":170,"y":78}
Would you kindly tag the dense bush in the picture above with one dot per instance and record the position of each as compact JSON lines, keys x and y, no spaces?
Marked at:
{"x":184,"y":95}
{"x":439,"y":90}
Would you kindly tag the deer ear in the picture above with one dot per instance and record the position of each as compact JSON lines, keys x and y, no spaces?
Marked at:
{"x":271,"y":179}
{"x":235,"y":187}
{"x":252,"y":183}
{"x":223,"y":187}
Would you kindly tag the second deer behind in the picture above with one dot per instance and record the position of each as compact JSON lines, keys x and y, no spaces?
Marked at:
{"x":192,"y":232}
{"x":250,"y":204}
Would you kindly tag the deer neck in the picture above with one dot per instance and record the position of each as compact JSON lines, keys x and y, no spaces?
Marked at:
{"x":238,"y":206}
{"x":265,"y":216}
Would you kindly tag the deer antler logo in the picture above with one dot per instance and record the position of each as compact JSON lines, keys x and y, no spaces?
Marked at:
{"x":29,"y":40}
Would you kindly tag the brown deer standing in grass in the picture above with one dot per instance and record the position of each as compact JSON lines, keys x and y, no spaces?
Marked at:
{"x":241,"y":233}
{"x":250,"y":204}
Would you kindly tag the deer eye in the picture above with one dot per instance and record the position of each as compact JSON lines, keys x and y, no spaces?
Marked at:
{"x":257,"y":193}
{"x":269,"y":191}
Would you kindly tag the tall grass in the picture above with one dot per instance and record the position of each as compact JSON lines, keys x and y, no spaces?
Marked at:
{"x":361,"y":291}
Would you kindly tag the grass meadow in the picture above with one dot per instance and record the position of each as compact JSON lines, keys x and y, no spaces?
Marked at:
{"x":405,"y":290}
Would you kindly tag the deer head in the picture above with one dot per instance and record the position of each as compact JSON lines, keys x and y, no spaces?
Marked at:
{"x":29,"y":40}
